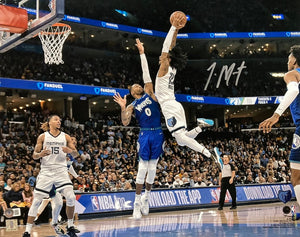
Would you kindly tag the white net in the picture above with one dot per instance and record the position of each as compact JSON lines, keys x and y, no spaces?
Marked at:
{"x":4,"y":35}
{"x":53,"y":39}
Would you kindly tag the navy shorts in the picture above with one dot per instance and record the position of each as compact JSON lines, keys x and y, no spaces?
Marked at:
{"x":150,"y":144}
{"x":295,"y":152}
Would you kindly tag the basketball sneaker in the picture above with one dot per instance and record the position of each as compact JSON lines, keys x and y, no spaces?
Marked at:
{"x":202,"y":122}
{"x":58,"y":229}
{"x":26,"y":234}
{"x":71,"y":232}
{"x":76,"y":229}
{"x":137,"y":211}
{"x":145,"y":205}
{"x":217,"y":158}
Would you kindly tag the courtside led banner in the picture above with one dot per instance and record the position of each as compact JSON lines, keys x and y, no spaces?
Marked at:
{"x":211,"y":35}
{"x":109,"y":202}
{"x":215,"y":35}
{"x":60,"y":87}
{"x":109,"y":91}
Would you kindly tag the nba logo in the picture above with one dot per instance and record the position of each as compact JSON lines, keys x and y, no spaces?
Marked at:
{"x":214,"y":196}
{"x":95,"y":203}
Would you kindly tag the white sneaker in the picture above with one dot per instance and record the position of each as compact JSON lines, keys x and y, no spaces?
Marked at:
{"x":202,"y":122}
{"x":58,"y":229}
{"x":137,"y":211}
{"x":145,"y":205}
{"x":217,"y":158}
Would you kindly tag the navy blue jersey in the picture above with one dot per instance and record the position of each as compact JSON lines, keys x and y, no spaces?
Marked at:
{"x":295,"y":107}
{"x":147,"y":112}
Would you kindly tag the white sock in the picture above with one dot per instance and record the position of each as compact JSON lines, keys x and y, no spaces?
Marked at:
{"x":147,"y":193}
{"x":28,"y":228}
{"x":297,"y":193}
{"x":137,"y":198}
{"x":70,"y":223}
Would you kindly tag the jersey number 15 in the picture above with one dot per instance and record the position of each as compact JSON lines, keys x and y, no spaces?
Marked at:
{"x":55,"y":150}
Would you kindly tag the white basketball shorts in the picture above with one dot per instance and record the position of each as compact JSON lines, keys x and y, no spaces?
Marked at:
{"x":49,"y":177}
{"x":174,"y":115}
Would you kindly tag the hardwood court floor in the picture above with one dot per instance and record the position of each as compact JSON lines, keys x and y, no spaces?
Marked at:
{"x":251,"y":220}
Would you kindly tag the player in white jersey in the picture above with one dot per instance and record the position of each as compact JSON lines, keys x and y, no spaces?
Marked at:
{"x":55,"y":197}
{"x":52,"y":147}
{"x":172,"y":59}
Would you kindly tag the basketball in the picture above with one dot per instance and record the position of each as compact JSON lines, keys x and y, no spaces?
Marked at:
{"x":176,"y":13}
{"x":286,"y":209}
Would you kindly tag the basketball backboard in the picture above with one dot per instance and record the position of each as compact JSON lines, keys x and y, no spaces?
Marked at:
{"x":40,"y":18}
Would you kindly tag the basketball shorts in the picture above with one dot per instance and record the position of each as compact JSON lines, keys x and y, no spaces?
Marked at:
{"x":295,"y":151}
{"x":174,"y":115}
{"x":150,"y":144}
{"x":58,"y":177}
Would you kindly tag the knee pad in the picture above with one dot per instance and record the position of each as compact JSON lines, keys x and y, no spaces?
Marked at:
{"x":38,"y":198}
{"x":68,"y":193}
{"x":151,"y":171}
{"x":143,"y":166}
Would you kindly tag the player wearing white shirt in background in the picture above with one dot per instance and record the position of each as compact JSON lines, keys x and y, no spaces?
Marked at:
{"x":52,"y":147}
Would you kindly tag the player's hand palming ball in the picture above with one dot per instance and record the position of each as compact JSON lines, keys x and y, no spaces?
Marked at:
{"x":178,"y":19}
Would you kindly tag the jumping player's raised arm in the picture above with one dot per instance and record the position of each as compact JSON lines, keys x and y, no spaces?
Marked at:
{"x":169,"y":43}
{"x":146,"y":75}
{"x":126,"y":112}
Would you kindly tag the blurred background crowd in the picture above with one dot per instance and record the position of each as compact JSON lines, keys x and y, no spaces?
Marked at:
{"x":108,"y":156}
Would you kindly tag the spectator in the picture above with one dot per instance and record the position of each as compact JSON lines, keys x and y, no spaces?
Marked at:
{"x":27,"y":195}
{"x":94,"y":188}
{"x":32,"y":179}
{"x":178,"y":182}
{"x":200,"y":183}
{"x":3,"y":204}
{"x":15,"y":200}
{"x":2,"y":165}
{"x":8,"y":185}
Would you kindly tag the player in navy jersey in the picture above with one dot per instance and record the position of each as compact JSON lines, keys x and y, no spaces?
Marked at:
{"x":150,"y":142}
{"x":292,"y":99}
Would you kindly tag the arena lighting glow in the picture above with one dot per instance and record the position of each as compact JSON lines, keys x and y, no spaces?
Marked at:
{"x":278,"y":16}
{"x":277,"y":74}
{"x":83,"y":97}
{"x":188,"y":17}
{"x":123,"y":13}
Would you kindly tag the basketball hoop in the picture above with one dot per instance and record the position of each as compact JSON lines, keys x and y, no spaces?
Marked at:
{"x":53,"y":39}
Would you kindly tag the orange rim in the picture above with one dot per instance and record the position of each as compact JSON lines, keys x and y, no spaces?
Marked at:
{"x":57,"y":33}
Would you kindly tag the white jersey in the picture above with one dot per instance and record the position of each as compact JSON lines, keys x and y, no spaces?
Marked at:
{"x":164,"y":86}
{"x":171,"y":109}
{"x":57,"y":158}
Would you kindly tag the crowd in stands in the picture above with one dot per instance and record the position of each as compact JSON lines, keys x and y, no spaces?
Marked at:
{"x":121,"y":72}
{"x":108,"y":157}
